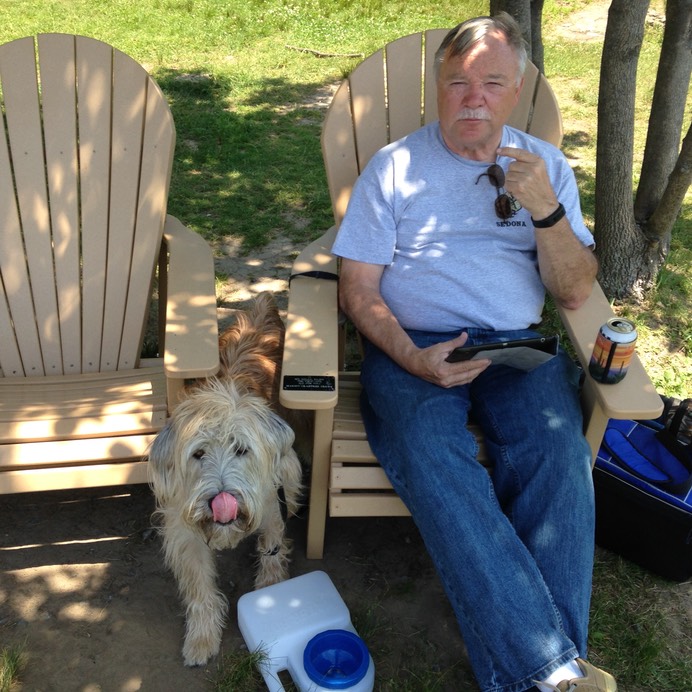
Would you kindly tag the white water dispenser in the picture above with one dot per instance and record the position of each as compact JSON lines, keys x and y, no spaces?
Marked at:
{"x":304,"y":627}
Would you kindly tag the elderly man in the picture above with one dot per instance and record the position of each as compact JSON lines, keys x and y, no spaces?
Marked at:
{"x":452,"y":236}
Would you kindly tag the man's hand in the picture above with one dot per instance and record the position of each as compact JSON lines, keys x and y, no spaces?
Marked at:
{"x":567,"y":267}
{"x":430,"y":364}
{"x":360,"y":298}
{"x":527,"y":180}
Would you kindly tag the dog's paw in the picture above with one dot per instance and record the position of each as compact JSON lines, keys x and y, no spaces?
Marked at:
{"x":199,"y":649}
{"x":268,"y":580}
{"x":204,"y":629}
{"x":271,"y":571}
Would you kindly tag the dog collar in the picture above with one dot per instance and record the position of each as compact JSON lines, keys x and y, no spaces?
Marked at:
{"x":282,"y":503}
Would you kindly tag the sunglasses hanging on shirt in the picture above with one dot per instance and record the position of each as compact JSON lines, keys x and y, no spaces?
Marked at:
{"x":506,"y":206}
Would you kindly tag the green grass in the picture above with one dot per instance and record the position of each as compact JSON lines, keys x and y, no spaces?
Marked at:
{"x":631,"y":628}
{"x":248,"y":161}
{"x":12,"y":661}
{"x":412,"y":663}
{"x":239,"y":672}
{"x":248,"y":166}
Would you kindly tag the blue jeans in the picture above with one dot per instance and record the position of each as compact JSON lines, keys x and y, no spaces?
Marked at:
{"x":514,"y":550}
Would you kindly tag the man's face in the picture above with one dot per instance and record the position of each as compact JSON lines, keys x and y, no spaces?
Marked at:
{"x":476,"y":93}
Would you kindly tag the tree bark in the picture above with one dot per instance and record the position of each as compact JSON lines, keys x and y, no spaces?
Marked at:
{"x":521,"y":11}
{"x":661,"y":222}
{"x":537,"y":55}
{"x":665,"y":123}
{"x":620,"y":244}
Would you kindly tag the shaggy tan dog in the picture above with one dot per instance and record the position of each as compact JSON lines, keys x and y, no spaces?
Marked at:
{"x":224,"y":468}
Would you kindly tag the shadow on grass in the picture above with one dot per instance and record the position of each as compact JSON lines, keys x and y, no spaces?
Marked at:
{"x":250,"y":168}
{"x":573,"y":145}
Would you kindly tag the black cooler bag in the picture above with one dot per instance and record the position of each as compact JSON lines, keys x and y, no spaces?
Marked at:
{"x":644,"y":499}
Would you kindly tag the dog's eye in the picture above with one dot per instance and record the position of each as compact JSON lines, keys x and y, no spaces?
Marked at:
{"x":199,"y":454}
{"x":240,"y":451}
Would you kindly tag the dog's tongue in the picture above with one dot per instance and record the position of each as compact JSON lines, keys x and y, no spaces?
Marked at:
{"x":224,"y":507}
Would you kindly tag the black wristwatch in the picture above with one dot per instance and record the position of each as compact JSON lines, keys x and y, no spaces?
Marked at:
{"x":550,"y":220}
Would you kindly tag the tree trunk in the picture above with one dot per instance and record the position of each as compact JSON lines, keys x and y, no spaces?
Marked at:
{"x":521,"y":11}
{"x":665,"y":124}
{"x":626,"y":258}
{"x":662,"y":220}
{"x":537,"y":56}
{"x":632,"y":239}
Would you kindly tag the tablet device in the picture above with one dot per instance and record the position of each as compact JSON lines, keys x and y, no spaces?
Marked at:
{"x":545,"y":344}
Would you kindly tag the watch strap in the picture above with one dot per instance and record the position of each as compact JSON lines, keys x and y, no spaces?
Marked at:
{"x":551,"y":220}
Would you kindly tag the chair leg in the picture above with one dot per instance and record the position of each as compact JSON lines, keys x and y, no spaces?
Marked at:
{"x":319,"y":486}
{"x":175,"y":387}
{"x":596,"y":424}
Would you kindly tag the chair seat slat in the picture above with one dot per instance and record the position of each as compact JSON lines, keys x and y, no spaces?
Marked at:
{"x":354,"y":466}
{"x":366,"y":505}
{"x":77,"y":476}
{"x":74,"y":408}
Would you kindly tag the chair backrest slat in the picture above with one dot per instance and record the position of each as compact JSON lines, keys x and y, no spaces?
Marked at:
{"x":129,"y":99}
{"x":155,"y":173}
{"x":339,"y":150}
{"x":433,"y":39}
{"x":404,"y":66}
{"x":23,"y":119}
{"x":391,"y":93}
{"x":369,"y":108}
{"x":94,"y":96}
{"x":59,"y":110}
{"x":22,"y":338}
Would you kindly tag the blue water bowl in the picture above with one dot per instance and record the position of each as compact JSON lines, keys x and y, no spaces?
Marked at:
{"x":336,"y":659}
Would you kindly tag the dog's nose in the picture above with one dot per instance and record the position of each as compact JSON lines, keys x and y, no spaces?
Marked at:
{"x":224,"y":508}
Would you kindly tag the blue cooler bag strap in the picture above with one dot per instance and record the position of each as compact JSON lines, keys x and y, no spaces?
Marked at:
{"x":636,"y":447}
{"x":678,"y":426}
{"x":681,"y":424}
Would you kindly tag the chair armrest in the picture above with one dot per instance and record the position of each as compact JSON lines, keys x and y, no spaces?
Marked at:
{"x":309,"y":373}
{"x":635,"y":396}
{"x":191,"y":344}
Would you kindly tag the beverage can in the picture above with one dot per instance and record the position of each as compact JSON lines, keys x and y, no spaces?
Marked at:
{"x":613,"y":350}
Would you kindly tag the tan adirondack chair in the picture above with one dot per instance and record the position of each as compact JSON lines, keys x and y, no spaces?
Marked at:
{"x":386,"y":97}
{"x":85,"y":159}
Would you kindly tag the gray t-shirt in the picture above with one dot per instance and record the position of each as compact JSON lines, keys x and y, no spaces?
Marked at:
{"x":450,"y":262}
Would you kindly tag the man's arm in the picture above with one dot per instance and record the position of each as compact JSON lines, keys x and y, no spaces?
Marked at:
{"x":568,"y":268}
{"x":361,"y":300}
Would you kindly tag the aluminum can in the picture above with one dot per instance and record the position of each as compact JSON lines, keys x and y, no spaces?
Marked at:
{"x":613,"y":351}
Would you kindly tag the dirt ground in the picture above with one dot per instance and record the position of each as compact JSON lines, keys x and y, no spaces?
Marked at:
{"x":83,"y":588}
{"x":83,"y":585}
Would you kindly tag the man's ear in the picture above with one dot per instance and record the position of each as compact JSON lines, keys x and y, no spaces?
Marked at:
{"x":518,"y":91}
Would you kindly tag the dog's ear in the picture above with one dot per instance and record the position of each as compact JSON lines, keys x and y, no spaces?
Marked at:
{"x":281,"y":432}
{"x":287,"y":472}
{"x":161,"y":463}
{"x":283,"y":437}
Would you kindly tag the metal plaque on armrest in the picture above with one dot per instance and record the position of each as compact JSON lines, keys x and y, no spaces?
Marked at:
{"x":309,"y":383}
